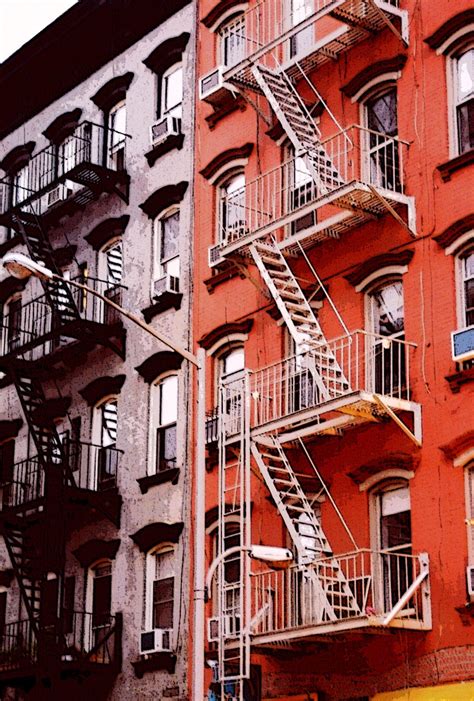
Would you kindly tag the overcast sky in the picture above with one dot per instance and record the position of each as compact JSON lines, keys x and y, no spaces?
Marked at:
{"x":22,"y":19}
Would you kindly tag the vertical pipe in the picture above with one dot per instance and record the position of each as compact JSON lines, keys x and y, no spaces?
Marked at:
{"x":199,"y":531}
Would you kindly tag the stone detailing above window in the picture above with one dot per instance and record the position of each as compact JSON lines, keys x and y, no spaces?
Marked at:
{"x":237,"y":327}
{"x":163,"y":198}
{"x":219,"y":162}
{"x":372,"y":71}
{"x":112,"y":92}
{"x":167,"y":53}
{"x":96,"y":549}
{"x":63,"y":126}
{"x":102,"y":387}
{"x":385,"y":260}
{"x":17,"y":157}
{"x":106,"y":231}
{"x":159,"y":363}
{"x":155,"y":533}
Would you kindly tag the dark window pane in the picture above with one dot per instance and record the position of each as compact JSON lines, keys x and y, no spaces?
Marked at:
{"x":166,"y":447}
{"x":466,"y":126}
{"x":163,"y":593}
{"x":382,"y":113}
{"x":102,"y":599}
{"x":169,"y":237}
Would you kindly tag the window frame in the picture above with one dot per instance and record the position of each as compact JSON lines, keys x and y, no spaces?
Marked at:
{"x":114,"y":160}
{"x":156,"y":427}
{"x":163,"y":110}
{"x":89,"y":598}
{"x":150,"y":570}
{"x":466,"y":249}
{"x":455,"y":53}
{"x":222,"y":186}
{"x":159,"y":263}
{"x":229,"y":18}
{"x":378,"y":89}
{"x":469,"y":492}
{"x":98,"y":447}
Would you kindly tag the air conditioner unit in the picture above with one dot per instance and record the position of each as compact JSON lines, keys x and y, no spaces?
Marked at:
{"x":231,"y":627}
{"x":213,"y":88}
{"x":462,"y":343}
{"x":167,"y":283}
{"x":162,"y":130}
{"x":470,"y":580}
{"x":214,"y":255}
{"x":56,"y":195}
{"x":156,"y":640}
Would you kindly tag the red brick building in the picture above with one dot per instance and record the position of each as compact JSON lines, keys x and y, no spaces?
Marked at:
{"x":334,"y":294}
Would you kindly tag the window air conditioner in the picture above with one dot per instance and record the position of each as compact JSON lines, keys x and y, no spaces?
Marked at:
{"x":231,"y":627}
{"x":167,"y":283}
{"x":470,"y":580}
{"x":214,"y":255}
{"x":156,"y":640}
{"x":56,"y":195}
{"x":212,"y":87}
{"x":162,"y":130}
{"x":462,"y":343}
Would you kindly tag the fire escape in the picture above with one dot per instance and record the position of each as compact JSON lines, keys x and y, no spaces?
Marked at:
{"x":65,"y":481}
{"x":327,"y":386}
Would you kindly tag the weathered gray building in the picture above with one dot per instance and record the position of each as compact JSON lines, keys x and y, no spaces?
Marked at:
{"x":96,"y":184}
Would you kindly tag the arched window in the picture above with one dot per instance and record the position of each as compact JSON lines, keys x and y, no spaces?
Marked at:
{"x":466,"y":286}
{"x":172,"y":91}
{"x":469,"y":473}
{"x":391,"y":531}
{"x":103,"y":468}
{"x":381,"y":121}
{"x":461,"y":66}
{"x":232,"y":40}
{"x":98,"y":602}
{"x":386,"y":322}
{"x":116,"y":134}
{"x":110,"y":268}
{"x":230,"y":587}
{"x":167,"y":244}
{"x":231,"y":208}
{"x":163,"y":424}
{"x":160,"y":595}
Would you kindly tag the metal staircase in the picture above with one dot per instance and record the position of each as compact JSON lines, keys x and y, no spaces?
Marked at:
{"x":299,"y":125}
{"x":292,"y":503}
{"x":325,"y":586}
{"x":299,"y":318}
{"x":22,"y":554}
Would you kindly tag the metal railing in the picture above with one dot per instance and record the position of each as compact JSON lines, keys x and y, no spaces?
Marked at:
{"x":38,"y":320}
{"x":338,"y":590}
{"x":212,"y":426}
{"x":89,"y":143}
{"x":362,"y":362}
{"x":89,"y":637}
{"x":18,"y":646}
{"x":283,"y":194}
{"x":93,"y":467}
{"x":271,"y":23}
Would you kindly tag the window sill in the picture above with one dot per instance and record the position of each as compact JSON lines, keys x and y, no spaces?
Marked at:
{"x":171,"y":475}
{"x":449,"y":167}
{"x":172,"y":142}
{"x":166,"y":301}
{"x":156,"y":661}
{"x":228,"y":106}
{"x":458,"y":379}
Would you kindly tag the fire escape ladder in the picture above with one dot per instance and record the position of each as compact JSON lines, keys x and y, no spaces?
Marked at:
{"x":22,"y":556}
{"x":233,"y":573}
{"x":291,"y":500}
{"x":322,"y":578}
{"x":57,"y":292}
{"x":46,"y":439}
{"x":299,"y":318}
{"x":299,"y":125}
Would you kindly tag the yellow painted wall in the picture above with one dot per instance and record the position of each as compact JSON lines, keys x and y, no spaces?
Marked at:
{"x":447,"y":692}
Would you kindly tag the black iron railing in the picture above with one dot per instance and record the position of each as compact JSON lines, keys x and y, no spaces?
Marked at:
{"x":89,"y":144}
{"x":34,"y":320}
{"x":80,"y":638}
{"x":93,"y":467}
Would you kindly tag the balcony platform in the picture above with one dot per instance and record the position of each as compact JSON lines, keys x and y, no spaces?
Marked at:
{"x":264,"y":36}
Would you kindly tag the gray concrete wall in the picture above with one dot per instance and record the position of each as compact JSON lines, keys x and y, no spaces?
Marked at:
{"x":166,"y":502}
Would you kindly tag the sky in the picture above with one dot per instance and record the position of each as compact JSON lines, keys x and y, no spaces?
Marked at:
{"x":22,"y":19}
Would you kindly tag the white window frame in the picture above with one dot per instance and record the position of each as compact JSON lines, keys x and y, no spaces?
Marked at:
{"x":160,"y":264}
{"x":150,"y":570}
{"x":460,"y":280}
{"x":96,"y":437}
{"x":105,"y":282}
{"x":230,"y":17}
{"x":89,"y":598}
{"x":231,"y":176}
{"x":15,"y":297}
{"x":469,"y":487}
{"x":155,"y":420}
{"x":376,"y":88}
{"x":114,"y":146}
{"x":455,"y":51}
{"x":175,"y":110}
